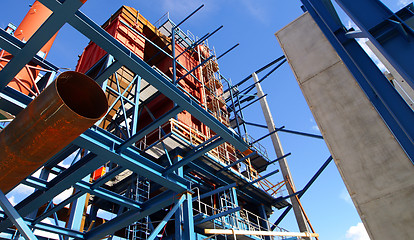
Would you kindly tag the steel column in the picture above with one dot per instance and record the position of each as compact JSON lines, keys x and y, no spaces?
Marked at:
{"x":188,"y":220}
{"x":389,"y":104}
{"x":387,"y":31}
{"x":16,"y":219}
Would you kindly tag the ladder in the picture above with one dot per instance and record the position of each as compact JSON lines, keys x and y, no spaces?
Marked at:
{"x":139,"y":230}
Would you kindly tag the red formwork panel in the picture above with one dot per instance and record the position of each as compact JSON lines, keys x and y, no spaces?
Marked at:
{"x":124,"y":25}
{"x":120,"y":27}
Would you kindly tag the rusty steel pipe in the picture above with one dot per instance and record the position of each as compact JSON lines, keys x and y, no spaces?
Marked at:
{"x":63,"y":111}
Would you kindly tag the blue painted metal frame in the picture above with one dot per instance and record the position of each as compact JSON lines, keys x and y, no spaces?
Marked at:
{"x":303,"y":191}
{"x":133,"y":62}
{"x":207,"y":219}
{"x":167,"y":217}
{"x":195,"y":153}
{"x":215,"y":191}
{"x":16,"y":218}
{"x":100,"y":142}
{"x":389,"y":104}
{"x":149,"y":207}
{"x":39,"y":39}
{"x":103,"y":145}
{"x":237,"y":162}
{"x":387,"y":31}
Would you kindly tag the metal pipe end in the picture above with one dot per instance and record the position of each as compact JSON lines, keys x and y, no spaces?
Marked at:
{"x":82,"y":95}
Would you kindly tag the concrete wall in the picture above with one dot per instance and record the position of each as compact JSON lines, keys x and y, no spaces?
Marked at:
{"x":377,"y":173}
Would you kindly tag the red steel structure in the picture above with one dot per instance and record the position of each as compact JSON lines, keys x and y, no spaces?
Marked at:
{"x":129,"y":27}
{"x":25,"y":80}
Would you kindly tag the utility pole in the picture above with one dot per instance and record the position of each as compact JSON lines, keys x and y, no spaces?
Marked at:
{"x":284,"y":168}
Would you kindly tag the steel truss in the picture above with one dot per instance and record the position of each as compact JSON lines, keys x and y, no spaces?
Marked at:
{"x":116,"y":148}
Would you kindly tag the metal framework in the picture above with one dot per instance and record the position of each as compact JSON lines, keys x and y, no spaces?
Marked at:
{"x":393,"y":38}
{"x":194,"y":185}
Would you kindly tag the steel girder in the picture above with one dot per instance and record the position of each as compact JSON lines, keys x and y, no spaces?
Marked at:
{"x":389,"y":104}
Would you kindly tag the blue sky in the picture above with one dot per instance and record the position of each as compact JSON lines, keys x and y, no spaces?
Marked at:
{"x":252,"y":24}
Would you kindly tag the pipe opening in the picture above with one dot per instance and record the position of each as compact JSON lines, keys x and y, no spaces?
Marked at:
{"x":82,"y":94}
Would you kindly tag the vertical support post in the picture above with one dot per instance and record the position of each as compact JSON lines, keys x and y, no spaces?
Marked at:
{"x":188,"y":221}
{"x":387,"y":31}
{"x":300,"y":218}
{"x":264,"y":221}
{"x":173,"y":56}
{"x":77,"y":208}
{"x":233,"y":105}
{"x":105,"y":83}
{"x":235,"y":200}
{"x":76,"y":213}
{"x":241,"y":114}
{"x":136,"y":106}
{"x":179,"y":213}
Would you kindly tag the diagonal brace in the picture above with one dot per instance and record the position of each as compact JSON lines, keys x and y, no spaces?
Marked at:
{"x":166,"y":218}
{"x":16,"y":219}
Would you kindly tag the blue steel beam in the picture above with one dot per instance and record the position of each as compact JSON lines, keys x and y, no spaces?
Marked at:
{"x":250,"y":103}
{"x":59,"y":230}
{"x":91,"y":30}
{"x":188,"y":219}
{"x":102,"y":143}
{"x":13,"y":46}
{"x":210,"y":218}
{"x":108,"y":176}
{"x":13,"y":101}
{"x":302,"y":133}
{"x":271,"y":162}
{"x":208,"y":173}
{"x":387,"y":31}
{"x":303,"y":191}
{"x":288,"y":131}
{"x":237,"y":162}
{"x":107,"y":195}
{"x":149,"y":207}
{"x":56,"y":20}
{"x":57,"y":207}
{"x":105,"y":74}
{"x":236,"y":45}
{"x":215,"y":191}
{"x":9,"y":43}
{"x":265,"y":136}
{"x":149,"y":128}
{"x":194,"y":155}
{"x":257,"y":71}
{"x":389,"y":104}
{"x":221,"y":179}
{"x":261,"y":178}
{"x":57,"y":185}
{"x":16,"y":219}
{"x":167,"y":217}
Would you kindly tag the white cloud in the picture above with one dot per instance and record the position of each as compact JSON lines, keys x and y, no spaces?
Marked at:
{"x":403,"y":3}
{"x":344,"y":195}
{"x":357,"y":232}
{"x":314,"y":127}
{"x":255,"y":9}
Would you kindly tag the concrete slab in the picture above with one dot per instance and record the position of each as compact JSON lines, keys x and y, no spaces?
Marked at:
{"x":377,"y":173}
